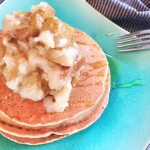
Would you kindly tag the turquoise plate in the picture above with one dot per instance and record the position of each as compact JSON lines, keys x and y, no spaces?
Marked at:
{"x":125,"y":124}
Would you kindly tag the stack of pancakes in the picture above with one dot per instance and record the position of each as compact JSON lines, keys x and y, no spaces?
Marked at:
{"x":27,"y":122}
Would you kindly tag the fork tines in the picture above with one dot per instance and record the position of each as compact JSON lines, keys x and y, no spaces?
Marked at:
{"x":134,"y":41}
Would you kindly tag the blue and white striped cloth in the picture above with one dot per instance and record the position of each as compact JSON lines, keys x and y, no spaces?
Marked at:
{"x":132,"y":15}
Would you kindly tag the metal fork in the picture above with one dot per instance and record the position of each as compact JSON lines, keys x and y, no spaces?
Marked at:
{"x":134,"y":41}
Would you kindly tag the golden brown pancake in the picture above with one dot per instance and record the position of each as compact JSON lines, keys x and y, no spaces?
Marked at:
{"x":34,"y":141}
{"x":66,"y":127}
{"x":70,"y":128}
{"x":86,"y":94}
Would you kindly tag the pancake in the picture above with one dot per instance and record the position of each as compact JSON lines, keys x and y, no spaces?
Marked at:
{"x":66,"y":127}
{"x":71,"y":128}
{"x":86,"y":94}
{"x":37,"y":141}
{"x":1,"y":38}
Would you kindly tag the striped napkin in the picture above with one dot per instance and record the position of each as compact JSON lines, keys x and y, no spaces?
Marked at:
{"x":132,"y":15}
